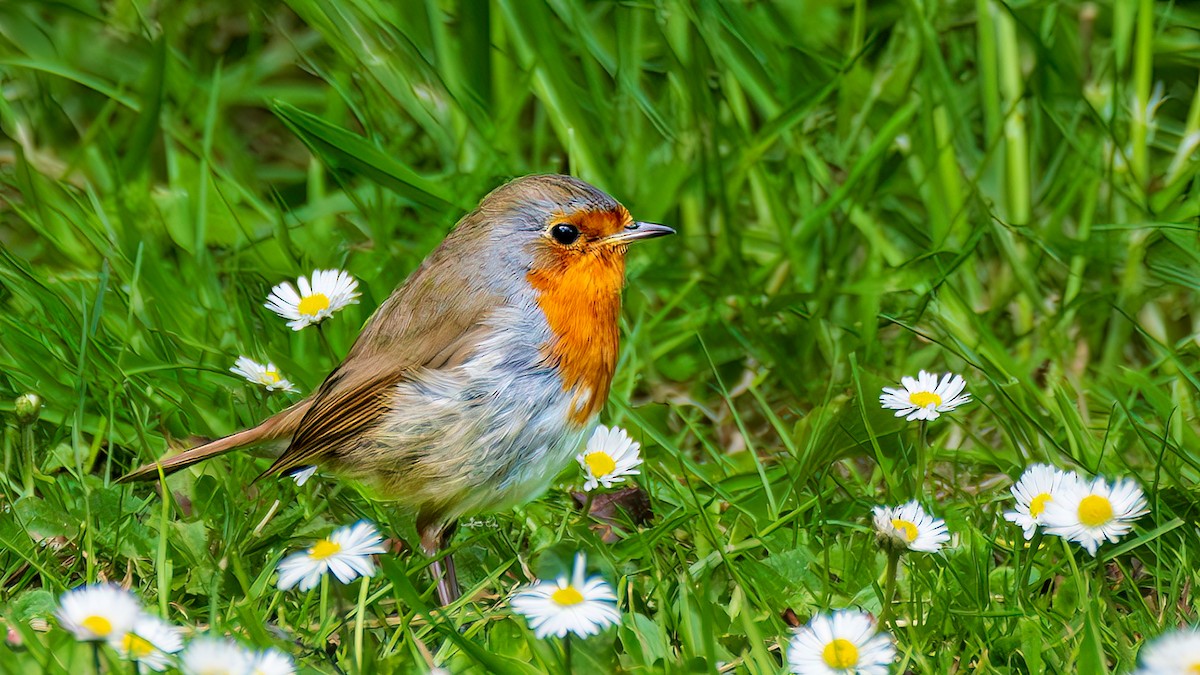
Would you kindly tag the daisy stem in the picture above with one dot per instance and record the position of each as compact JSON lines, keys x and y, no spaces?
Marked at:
{"x":96,"y":656}
{"x":27,"y":458}
{"x":587,"y":504}
{"x":325,"y":341}
{"x":922,"y":457}
{"x":567,"y":653}
{"x":889,"y":586}
{"x":358,"y":623}
{"x":1027,"y":566}
{"x":324,"y":598}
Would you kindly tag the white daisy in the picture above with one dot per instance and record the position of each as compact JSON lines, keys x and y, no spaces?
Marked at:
{"x":842,"y":643}
{"x":99,"y":612}
{"x":610,"y":455}
{"x":267,"y":376}
{"x":580,"y":605}
{"x":908,"y":526}
{"x":924,"y":398}
{"x":272,"y":662}
{"x":329,"y":291}
{"x":347,"y":553}
{"x":1090,"y":512}
{"x":1036,"y":488}
{"x":213,"y":656}
{"x":1173,"y":653}
{"x":150,"y":642}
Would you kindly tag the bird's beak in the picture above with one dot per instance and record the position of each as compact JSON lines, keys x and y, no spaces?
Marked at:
{"x":639,"y":230}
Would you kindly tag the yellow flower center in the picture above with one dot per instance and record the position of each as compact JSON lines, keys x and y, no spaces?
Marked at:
{"x":98,"y":625}
{"x":323,"y":549}
{"x":1194,"y":669}
{"x":137,"y":646}
{"x":840,"y":654}
{"x":271,"y":376}
{"x":311,"y":305}
{"x":1038,"y":504}
{"x":567,"y":596}
{"x":909,"y":530}
{"x":600,"y":463}
{"x":1095,"y":511}
{"x":924,"y":398}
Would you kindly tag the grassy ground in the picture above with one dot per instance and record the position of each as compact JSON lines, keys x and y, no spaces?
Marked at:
{"x":862,"y":190}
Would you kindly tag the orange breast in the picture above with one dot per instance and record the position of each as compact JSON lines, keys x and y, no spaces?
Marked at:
{"x":580,"y":294}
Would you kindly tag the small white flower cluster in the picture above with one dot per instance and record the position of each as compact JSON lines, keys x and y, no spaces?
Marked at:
{"x":1088,"y":512}
{"x":845,"y":641}
{"x":316,"y":300}
{"x":924,"y":398}
{"x":112,"y":614}
{"x":108,"y":613}
{"x":579,"y":604}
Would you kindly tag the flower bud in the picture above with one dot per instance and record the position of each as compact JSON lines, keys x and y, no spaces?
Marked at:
{"x":28,"y":407}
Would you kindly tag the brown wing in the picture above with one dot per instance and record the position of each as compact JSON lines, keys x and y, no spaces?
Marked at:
{"x":346,"y":405}
{"x":433,"y":321}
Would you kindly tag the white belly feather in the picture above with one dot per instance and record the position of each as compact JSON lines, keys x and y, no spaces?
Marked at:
{"x":482,"y":436}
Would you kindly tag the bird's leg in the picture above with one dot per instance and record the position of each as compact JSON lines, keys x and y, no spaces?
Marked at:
{"x":434,"y":536}
{"x":451,"y":577}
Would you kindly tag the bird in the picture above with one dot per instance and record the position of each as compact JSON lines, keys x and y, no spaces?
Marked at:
{"x":478,"y":378}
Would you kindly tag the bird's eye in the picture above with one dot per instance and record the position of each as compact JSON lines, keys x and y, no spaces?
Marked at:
{"x":564,"y":233}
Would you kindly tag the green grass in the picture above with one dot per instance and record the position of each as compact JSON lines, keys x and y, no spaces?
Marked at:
{"x":861,"y":189}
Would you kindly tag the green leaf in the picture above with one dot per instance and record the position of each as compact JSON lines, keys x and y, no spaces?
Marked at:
{"x":1091,"y":645}
{"x":342,"y":149}
{"x":38,"y":603}
{"x":43,"y":520}
{"x":1031,"y":645}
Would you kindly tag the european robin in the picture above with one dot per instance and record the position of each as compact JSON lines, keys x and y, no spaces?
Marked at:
{"x":475,"y":382}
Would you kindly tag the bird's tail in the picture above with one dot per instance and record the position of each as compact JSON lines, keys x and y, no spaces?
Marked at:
{"x":280,"y":426}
